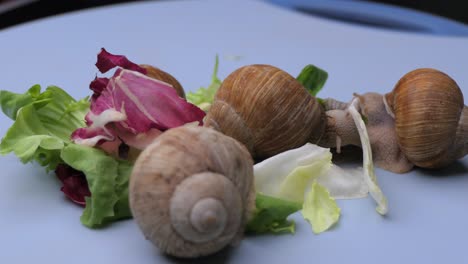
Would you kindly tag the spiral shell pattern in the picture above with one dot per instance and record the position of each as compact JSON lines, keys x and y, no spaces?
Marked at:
{"x":267,"y":110}
{"x":191,"y":191}
{"x":427,"y":105}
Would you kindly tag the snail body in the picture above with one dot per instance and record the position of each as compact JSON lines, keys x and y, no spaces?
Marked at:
{"x":191,"y":191}
{"x":422,"y":122}
{"x":431,"y":120}
{"x":267,"y":110}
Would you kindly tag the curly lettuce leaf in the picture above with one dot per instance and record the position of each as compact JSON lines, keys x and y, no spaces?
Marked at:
{"x":43,"y":123}
{"x":11,"y":102}
{"x":271,"y":215}
{"x":320,"y":209}
{"x":203,"y":97}
{"x":108,"y":182}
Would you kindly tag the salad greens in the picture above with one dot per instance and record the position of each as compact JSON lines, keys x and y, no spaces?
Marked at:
{"x":203,"y":97}
{"x":84,"y":138}
{"x":108,"y":182}
{"x":306,"y":175}
{"x":271,"y":215}
{"x":43,"y":123}
{"x":41,"y":133}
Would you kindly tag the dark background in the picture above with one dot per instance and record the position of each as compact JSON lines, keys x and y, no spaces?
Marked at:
{"x":452,"y":9}
{"x":17,"y":11}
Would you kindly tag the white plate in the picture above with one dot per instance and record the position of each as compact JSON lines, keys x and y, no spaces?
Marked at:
{"x":428,"y":210}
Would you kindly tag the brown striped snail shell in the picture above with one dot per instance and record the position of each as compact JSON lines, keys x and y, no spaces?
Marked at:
{"x":267,"y":110}
{"x":191,"y":191}
{"x":431,"y":120}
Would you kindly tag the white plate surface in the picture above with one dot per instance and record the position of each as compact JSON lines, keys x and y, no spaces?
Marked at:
{"x":428,"y":217}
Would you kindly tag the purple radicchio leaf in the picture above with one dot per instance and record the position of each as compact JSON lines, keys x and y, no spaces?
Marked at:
{"x":98,"y":85}
{"x":74,"y":184}
{"x":133,"y":104}
{"x":107,"y":61}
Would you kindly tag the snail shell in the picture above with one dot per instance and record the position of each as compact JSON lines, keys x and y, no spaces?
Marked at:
{"x":191,"y":191}
{"x":165,"y":77}
{"x":267,"y":110}
{"x":430,"y":118}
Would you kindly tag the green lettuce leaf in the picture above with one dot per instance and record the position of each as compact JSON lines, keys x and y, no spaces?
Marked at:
{"x":271,"y":215}
{"x":320,"y":209}
{"x":203,"y":97}
{"x":312,"y":78}
{"x":12,"y":102}
{"x":108,"y":182}
{"x":306,"y":175}
{"x":43,"y":123}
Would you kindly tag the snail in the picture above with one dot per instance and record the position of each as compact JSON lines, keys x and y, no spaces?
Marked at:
{"x":422,"y":122}
{"x":431,"y":120}
{"x":191,"y":191}
{"x":267,"y":110}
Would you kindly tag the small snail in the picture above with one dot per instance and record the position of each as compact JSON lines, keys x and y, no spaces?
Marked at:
{"x":267,"y":110}
{"x":422,"y":122}
{"x":431,"y":120}
{"x":191,"y":191}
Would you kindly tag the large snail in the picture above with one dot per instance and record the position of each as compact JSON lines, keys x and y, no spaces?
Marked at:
{"x":269,"y":111}
{"x":191,"y":191}
{"x":431,"y":120}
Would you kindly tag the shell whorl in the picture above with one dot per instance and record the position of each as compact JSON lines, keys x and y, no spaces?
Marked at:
{"x":427,"y":105}
{"x":266,"y":109}
{"x":191,"y":191}
{"x":198,"y":211}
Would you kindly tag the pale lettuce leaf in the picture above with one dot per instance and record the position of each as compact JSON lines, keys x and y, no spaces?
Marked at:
{"x":371,"y":179}
{"x":320,"y":209}
{"x":271,"y":174}
{"x":346,"y":183}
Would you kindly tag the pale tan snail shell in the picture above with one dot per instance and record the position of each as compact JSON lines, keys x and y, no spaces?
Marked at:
{"x":267,"y":110}
{"x":431,"y":120}
{"x":191,"y":191}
